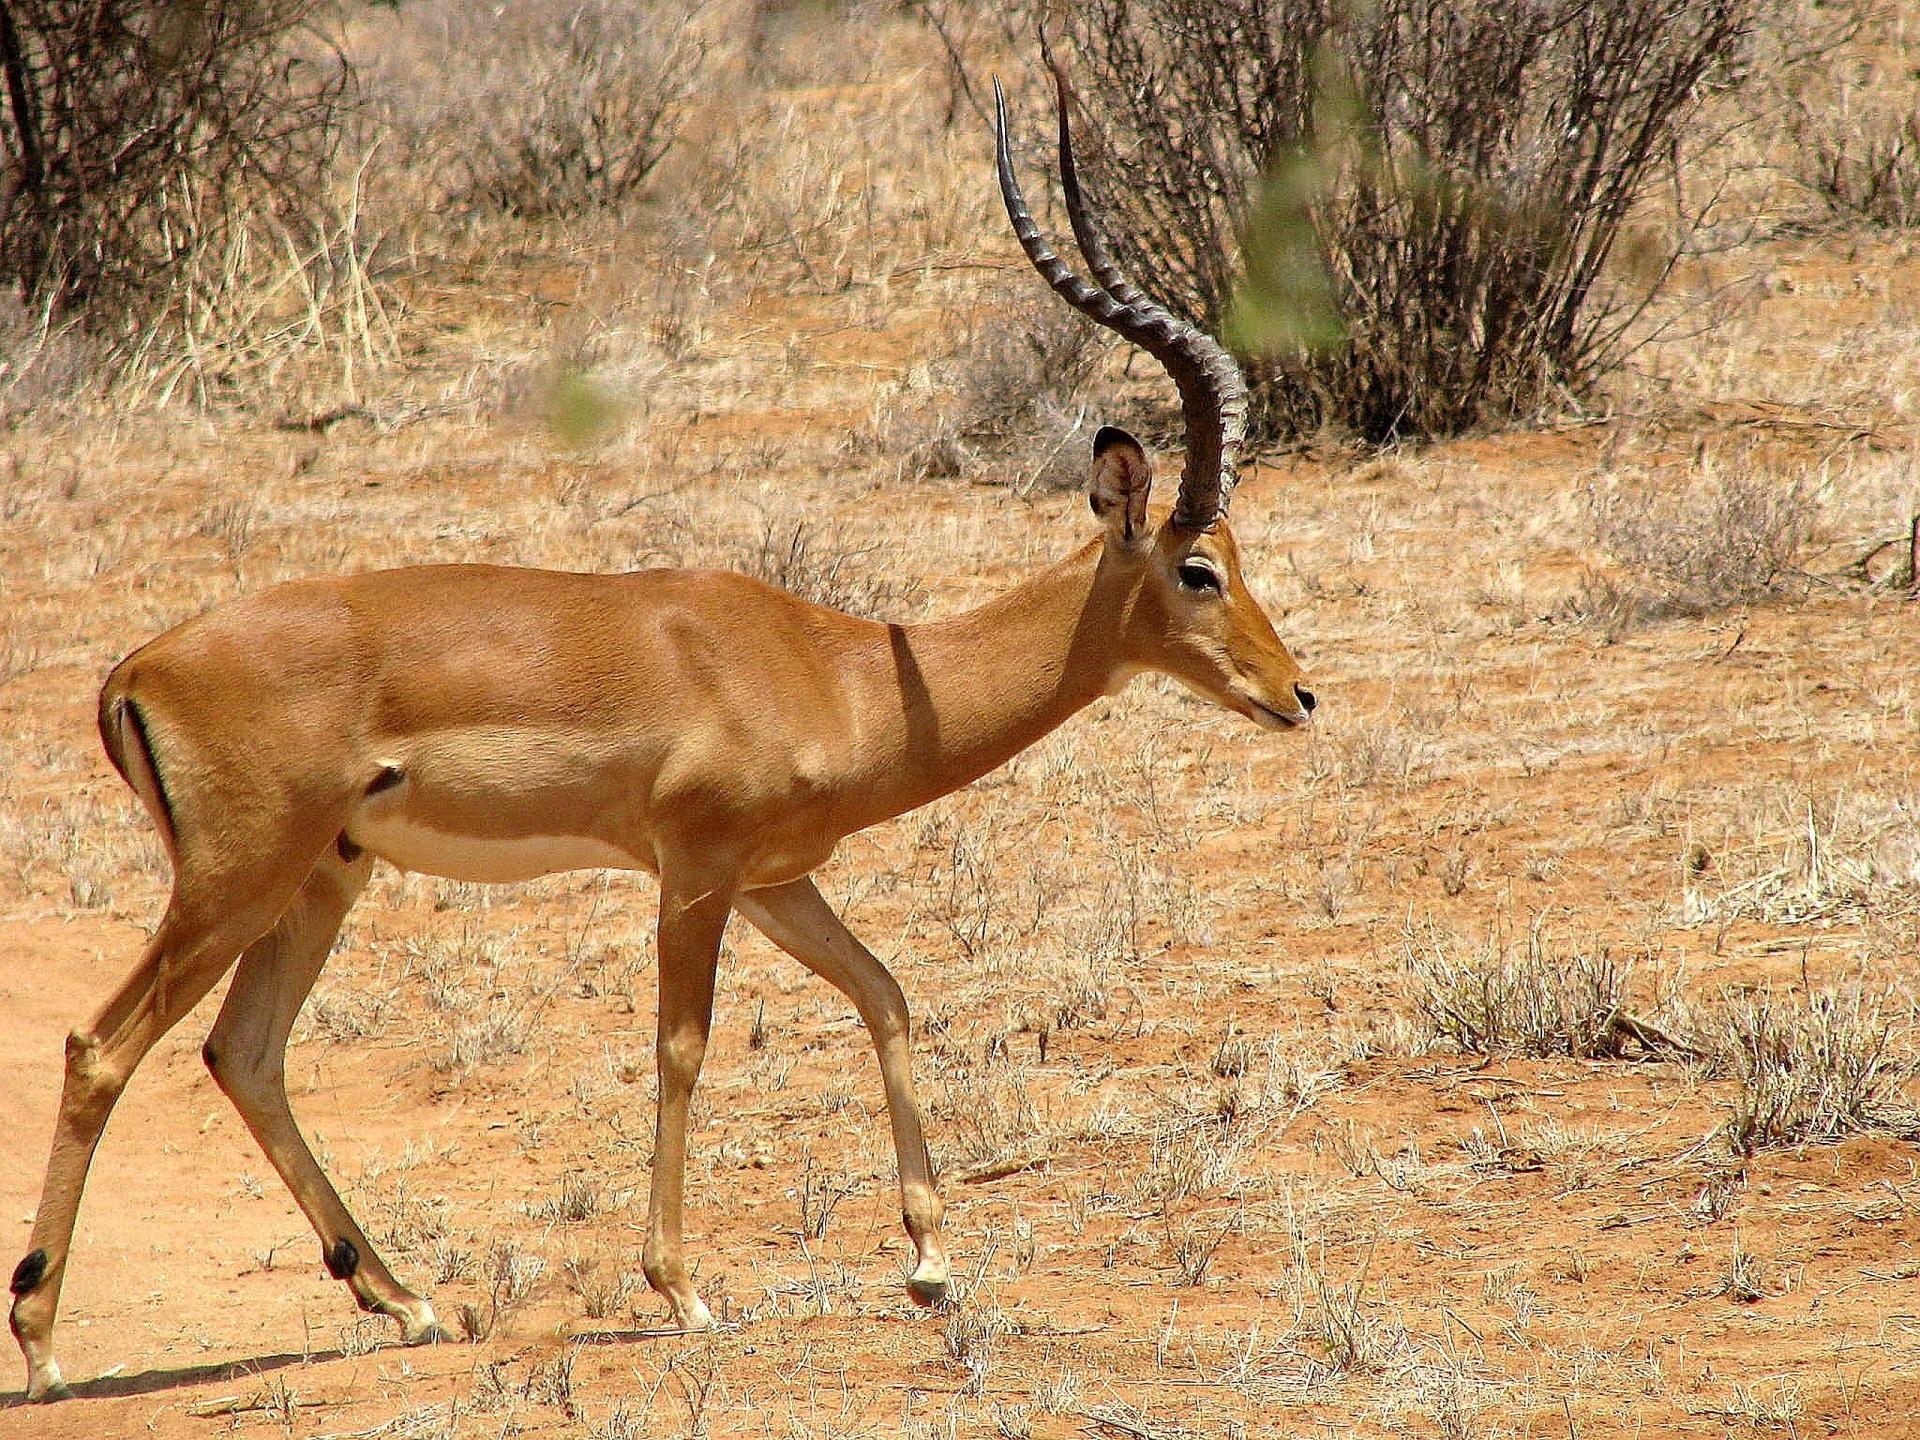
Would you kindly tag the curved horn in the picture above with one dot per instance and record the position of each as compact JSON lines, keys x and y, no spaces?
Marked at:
{"x":1213,"y":395}
{"x":1086,"y":234}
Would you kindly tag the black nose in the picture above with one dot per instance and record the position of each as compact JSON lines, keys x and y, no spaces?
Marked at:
{"x":1307,"y":702}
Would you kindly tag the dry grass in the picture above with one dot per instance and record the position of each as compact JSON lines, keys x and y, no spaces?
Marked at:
{"x":1728,"y":535}
{"x":1847,"y":127}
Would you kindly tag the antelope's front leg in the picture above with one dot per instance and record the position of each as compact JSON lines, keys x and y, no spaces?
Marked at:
{"x":798,"y":919}
{"x":692,"y":919}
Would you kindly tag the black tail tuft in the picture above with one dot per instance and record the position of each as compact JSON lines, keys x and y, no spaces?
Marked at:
{"x":123,"y":731}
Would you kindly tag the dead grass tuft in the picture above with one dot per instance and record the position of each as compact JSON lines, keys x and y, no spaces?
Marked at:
{"x":974,"y":1328}
{"x":1727,"y":537}
{"x":1744,"y":1279}
{"x":576,"y":1199}
{"x":1817,"y":1069}
{"x":1357,"y":1330}
{"x":1526,"y":999}
{"x":1012,"y":389}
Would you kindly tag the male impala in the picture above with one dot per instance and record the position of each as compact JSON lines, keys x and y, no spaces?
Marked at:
{"x":494,"y":724}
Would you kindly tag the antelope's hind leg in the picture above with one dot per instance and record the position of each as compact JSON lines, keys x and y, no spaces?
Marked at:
{"x":247,"y":1054}
{"x":797,"y":918}
{"x":189,"y":952}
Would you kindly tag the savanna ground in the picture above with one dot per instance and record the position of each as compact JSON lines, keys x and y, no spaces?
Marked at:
{"x":1201,"y":1013}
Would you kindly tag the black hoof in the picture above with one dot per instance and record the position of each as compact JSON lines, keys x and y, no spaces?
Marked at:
{"x":928,"y":1292}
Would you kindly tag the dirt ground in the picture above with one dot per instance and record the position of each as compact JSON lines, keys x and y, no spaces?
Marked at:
{"x":1215,"y":1164}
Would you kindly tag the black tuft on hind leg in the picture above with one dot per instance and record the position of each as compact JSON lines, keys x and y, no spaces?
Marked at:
{"x":342,"y":1259}
{"x":28,"y":1274}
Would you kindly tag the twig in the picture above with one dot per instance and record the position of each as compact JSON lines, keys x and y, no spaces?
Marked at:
{"x":1101,"y":1420}
{"x":1648,"y":1036}
{"x":262,"y":1400}
{"x":955,"y":65}
{"x":1498,"y":1124}
{"x":1001,"y":1168}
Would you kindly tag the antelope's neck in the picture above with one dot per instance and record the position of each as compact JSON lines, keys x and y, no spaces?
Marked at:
{"x":965,"y":694}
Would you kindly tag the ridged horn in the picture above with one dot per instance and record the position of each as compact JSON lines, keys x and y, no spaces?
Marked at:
{"x":1213,"y":394}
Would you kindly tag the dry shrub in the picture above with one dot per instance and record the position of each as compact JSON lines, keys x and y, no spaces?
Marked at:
{"x":1013,"y":386}
{"x":1449,"y":184}
{"x":540,"y":108}
{"x":1729,"y":539}
{"x":990,"y":1115}
{"x":136,"y":127}
{"x":1860,"y":150}
{"x":1525,"y":1000}
{"x":1815,"y":1069}
{"x":787,"y":555}
{"x":166,"y":161}
{"x":1850,"y":130}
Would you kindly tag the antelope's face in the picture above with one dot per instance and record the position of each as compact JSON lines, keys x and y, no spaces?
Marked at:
{"x":1191,"y":614}
{"x":1196,"y":609}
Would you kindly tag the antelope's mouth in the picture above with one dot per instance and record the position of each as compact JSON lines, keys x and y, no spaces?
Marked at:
{"x":1269,"y":718}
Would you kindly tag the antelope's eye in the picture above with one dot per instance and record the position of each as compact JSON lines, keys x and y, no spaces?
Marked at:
{"x":1199,"y":576}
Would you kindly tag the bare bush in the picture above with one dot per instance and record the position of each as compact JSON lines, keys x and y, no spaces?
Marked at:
{"x":1431,"y":198}
{"x":141,"y":136}
{"x":1014,"y":382}
{"x":547,"y":107}
{"x":1729,"y":540}
{"x":787,"y":555}
{"x":1526,"y":1000}
{"x":1815,"y":1069}
{"x":1849,"y":130}
{"x":1860,"y":151}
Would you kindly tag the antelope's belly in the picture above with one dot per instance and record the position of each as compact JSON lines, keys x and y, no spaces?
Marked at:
{"x":489,"y":859}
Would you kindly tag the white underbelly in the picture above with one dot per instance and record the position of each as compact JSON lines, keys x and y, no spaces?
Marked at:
{"x":483,"y":858}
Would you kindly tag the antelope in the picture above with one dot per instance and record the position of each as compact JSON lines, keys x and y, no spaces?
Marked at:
{"x":493,"y":724}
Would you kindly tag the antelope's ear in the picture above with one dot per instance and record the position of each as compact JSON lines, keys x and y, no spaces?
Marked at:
{"x":1122,"y":475}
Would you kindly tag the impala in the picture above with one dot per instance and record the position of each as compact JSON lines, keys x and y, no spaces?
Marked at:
{"x":490,"y":724}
